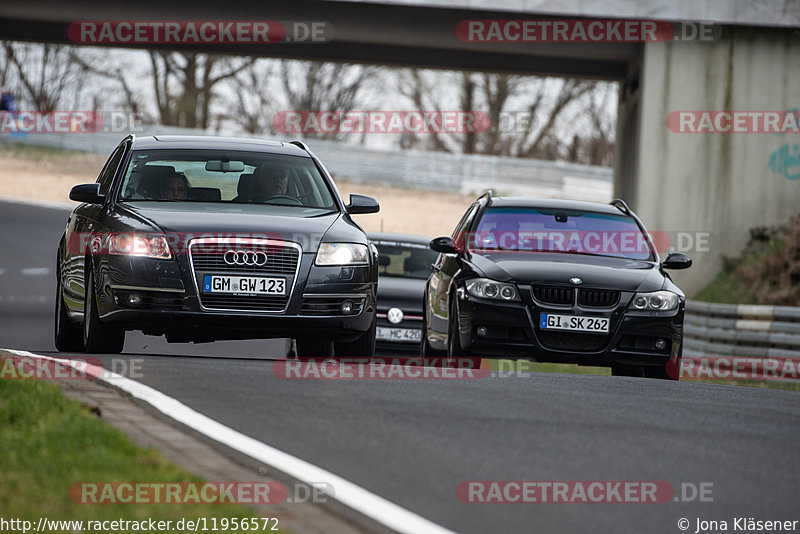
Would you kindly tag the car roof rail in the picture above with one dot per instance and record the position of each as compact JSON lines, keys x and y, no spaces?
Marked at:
{"x":621,"y":206}
{"x":299,"y":144}
{"x":488,"y":196}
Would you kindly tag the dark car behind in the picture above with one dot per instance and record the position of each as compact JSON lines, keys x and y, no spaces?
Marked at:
{"x":404,"y":266}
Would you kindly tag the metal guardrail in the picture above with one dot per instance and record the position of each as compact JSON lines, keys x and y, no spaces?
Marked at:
{"x":751,"y":331}
{"x":462,"y":173}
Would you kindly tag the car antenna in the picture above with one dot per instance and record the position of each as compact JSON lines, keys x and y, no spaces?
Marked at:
{"x":621,"y":206}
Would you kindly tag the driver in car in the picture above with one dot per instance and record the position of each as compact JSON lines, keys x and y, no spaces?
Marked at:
{"x":268,"y":182}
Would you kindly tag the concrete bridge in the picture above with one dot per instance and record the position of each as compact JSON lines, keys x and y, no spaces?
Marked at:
{"x":746,"y":58}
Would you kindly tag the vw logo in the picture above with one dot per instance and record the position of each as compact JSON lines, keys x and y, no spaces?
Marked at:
{"x":245,"y":257}
{"x":394,"y":315}
{"x":575,"y":280}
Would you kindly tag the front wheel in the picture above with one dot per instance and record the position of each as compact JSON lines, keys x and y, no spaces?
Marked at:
{"x":309,"y":347}
{"x":627,"y":370}
{"x":669,"y":371}
{"x":98,"y":337}
{"x":68,"y":335}
{"x":454,"y":350}
{"x":427,"y":353}
{"x":362,"y":348}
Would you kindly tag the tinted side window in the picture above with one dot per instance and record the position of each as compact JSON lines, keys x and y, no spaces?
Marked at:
{"x":108,"y":172}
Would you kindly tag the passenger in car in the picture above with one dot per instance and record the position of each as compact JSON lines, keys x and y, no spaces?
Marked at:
{"x":175,"y":187}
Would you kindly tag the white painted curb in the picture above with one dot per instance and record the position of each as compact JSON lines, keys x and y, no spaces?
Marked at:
{"x":355,"y":497}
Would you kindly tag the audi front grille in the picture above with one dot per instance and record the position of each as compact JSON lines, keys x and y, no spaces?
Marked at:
{"x":254,"y":257}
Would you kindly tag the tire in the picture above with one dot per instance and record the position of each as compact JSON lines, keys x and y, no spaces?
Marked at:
{"x":627,"y":370}
{"x":454,"y":350}
{"x":313,"y":348}
{"x":68,"y":336}
{"x":427,"y":354}
{"x":98,"y":337}
{"x":669,"y":371}
{"x":362,"y":348}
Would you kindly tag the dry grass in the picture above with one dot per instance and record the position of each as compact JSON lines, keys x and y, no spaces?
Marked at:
{"x":31,"y":173}
{"x":767,"y":271}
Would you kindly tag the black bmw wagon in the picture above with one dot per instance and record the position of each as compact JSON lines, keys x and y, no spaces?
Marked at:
{"x":207,"y":238}
{"x":555,"y":281}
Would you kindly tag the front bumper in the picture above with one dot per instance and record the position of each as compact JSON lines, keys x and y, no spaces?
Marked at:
{"x":512,"y":330}
{"x":172,"y":305}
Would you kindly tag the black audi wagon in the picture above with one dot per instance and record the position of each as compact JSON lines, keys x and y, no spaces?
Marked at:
{"x":209,"y":238}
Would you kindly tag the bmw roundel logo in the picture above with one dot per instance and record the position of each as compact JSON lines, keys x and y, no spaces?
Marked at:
{"x":575,"y":280}
{"x":394,"y":315}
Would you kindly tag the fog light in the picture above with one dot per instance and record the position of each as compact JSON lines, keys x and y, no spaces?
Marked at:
{"x":661,"y":344}
{"x":346,"y":307}
{"x":482,"y":331}
{"x":134,"y":299}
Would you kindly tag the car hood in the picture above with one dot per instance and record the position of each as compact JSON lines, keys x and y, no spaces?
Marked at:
{"x":403,"y":293}
{"x":245,"y":220}
{"x":557,"y":269}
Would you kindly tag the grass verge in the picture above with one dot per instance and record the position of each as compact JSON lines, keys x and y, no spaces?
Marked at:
{"x":729,"y":287}
{"x":50,"y":442}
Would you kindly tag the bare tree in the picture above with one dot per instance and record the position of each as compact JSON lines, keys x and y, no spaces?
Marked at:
{"x":570,"y":91}
{"x":538,"y":137}
{"x":596,"y":145}
{"x":119,"y":73}
{"x":184,"y":82}
{"x":254,"y":96}
{"x":44,"y":75}
{"x":323,"y":86}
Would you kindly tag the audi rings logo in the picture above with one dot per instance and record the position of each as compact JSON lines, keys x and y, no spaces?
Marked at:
{"x":245,"y":257}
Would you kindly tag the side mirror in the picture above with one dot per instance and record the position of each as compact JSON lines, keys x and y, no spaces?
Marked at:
{"x":362,"y":204}
{"x":443,"y":245}
{"x":89,"y":193}
{"x":677,"y":260}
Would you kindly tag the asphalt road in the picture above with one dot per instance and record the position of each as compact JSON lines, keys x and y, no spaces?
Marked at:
{"x":414,"y":441}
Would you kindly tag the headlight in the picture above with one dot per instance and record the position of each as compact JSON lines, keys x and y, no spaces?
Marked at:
{"x":140,"y":245}
{"x":486,"y":288}
{"x":655,"y":301}
{"x":342,"y":254}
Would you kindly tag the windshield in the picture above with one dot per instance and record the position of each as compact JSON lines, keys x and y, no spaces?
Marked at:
{"x":406,"y":260}
{"x":561,"y":231}
{"x":225,"y":176}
